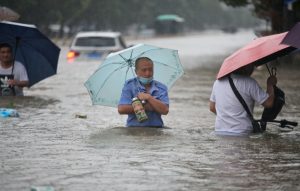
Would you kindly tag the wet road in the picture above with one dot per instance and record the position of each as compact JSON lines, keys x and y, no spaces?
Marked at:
{"x":48,"y":145}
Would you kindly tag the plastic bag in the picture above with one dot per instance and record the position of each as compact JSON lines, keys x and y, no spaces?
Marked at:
{"x":6,"y":112}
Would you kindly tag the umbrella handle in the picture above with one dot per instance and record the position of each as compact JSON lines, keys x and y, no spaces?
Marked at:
{"x":273,"y":71}
{"x":18,"y":39}
{"x":269,"y":69}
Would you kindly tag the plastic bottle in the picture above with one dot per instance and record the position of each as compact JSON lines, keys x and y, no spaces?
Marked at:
{"x":139,"y":110}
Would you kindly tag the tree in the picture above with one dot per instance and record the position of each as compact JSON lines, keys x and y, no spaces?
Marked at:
{"x":274,"y":11}
{"x":46,"y":12}
{"x":120,"y":14}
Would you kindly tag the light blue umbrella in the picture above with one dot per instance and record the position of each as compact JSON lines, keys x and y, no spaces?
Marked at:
{"x":105,"y":85}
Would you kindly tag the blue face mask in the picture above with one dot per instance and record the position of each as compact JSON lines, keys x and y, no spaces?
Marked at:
{"x":145,"y":81}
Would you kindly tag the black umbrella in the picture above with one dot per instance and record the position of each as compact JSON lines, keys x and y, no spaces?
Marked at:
{"x":32,"y":48}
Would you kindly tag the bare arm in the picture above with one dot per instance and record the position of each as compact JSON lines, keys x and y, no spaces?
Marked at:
{"x":272,"y":80}
{"x":125,"y":109}
{"x":212,"y":107}
{"x":154,"y":104}
{"x":18,"y":83}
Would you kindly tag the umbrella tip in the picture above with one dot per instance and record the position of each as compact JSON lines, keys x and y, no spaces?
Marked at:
{"x":130,"y":62}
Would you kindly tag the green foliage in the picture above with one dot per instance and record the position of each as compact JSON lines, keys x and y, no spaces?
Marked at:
{"x":273,"y":11}
{"x":120,"y":14}
{"x":236,"y":3}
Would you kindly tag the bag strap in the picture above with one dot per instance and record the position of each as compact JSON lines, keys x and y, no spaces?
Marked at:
{"x":240,"y":98}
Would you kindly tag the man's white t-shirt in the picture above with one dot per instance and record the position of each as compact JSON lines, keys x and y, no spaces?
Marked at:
{"x":19,"y":73}
{"x":231,"y":115}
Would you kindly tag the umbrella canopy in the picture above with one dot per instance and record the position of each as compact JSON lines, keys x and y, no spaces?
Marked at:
{"x":33,"y":49}
{"x":258,"y":52}
{"x":105,"y":85}
{"x":169,"y":17}
{"x":293,"y":37}
{"x":6,"y":14}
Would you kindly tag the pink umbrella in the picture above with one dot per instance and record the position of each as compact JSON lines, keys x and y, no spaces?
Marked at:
{"x":6,"y":14}
{"x":258,"y":52}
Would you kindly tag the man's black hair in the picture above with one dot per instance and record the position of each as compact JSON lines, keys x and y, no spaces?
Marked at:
{"x":5,"y":45}
{"x":142,"y":58}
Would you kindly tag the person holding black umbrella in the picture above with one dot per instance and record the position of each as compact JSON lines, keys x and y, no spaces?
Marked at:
{"x":13,"y":75}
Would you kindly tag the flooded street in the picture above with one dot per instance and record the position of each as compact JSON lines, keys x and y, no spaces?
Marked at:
{"x":48,"y":145}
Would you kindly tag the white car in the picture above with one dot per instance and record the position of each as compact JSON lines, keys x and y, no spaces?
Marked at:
{"x":95,"y":45}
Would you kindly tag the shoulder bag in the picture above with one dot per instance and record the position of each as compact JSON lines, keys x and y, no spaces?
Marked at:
{"x":255,"y":123}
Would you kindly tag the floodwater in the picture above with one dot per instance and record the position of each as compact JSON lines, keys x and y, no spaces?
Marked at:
{"x":49,"y":145}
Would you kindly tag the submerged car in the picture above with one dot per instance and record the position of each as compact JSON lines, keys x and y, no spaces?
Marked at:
{"x":95,"y":45}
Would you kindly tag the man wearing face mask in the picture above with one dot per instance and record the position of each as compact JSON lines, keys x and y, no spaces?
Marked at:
{"x":153,"y":93}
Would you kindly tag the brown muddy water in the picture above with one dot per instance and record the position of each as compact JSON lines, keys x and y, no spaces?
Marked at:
{"x":61,"y":140}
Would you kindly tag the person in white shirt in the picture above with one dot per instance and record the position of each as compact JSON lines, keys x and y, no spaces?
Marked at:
{"x":231,"y":117}
{"x":13,"y":75}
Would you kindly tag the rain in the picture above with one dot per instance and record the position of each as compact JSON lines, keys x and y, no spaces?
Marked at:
{"x":59,"y":140}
